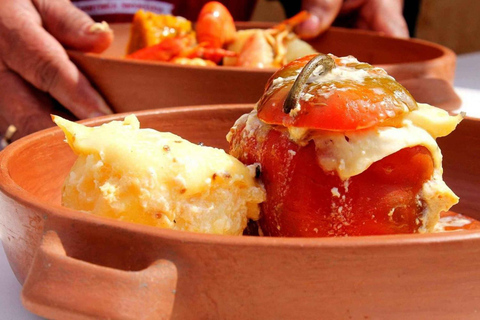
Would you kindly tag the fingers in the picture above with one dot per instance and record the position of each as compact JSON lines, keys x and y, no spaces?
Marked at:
{"x":34,"y":54}
{"x":22,"y":106}
{"x":351,"y":5}
{"x":72,"y":27}
{"x":323,"y":13}
{"x":384,"y":16}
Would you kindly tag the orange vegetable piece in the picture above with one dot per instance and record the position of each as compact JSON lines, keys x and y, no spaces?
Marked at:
{"x":215,"y":26}
{"x":149,"y":29}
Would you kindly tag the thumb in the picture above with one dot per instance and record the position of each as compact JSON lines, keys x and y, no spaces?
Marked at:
{"x":384,"y":16}
{"x":73,"y":27}
{"x":323,"y":13}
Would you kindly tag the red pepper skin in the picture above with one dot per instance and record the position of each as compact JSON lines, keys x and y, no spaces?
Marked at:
{"x":349,"y":105}
{"x":305,"y":201}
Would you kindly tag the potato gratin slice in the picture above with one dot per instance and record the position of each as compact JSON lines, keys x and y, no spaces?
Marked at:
{"x":158,"y":179}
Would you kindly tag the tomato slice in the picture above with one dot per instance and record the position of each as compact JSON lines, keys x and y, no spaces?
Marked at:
{"x":352,"y":96}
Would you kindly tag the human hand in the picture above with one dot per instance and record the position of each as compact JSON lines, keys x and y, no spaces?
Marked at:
{"x":35,"y":67}
{"x":384,"y":16}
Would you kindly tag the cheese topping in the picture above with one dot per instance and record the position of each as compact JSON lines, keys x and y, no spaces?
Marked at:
{"x":351,"y":153}
{"x":159,"y":179}
{"x":342,"y":73}
{"x":453,"y":222}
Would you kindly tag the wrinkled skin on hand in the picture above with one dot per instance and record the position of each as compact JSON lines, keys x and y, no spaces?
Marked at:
{"x":34,"y":67}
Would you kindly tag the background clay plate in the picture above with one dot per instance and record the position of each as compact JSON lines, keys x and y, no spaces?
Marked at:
{"x":426,"y":69}
{"x":78,"y":266}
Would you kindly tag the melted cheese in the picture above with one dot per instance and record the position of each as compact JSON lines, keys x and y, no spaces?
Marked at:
{"x":343,"y":73}
{"x":451,"y":222}
{"x":351,"y":153}
{"x":159,"y":179}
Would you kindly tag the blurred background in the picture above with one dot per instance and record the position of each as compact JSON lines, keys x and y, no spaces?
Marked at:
{"x":451,"y":23}
{"x":440,"y":21}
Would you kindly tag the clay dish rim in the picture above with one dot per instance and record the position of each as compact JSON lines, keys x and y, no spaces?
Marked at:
{"x":19,"y":195}
{"x":443,"y":51}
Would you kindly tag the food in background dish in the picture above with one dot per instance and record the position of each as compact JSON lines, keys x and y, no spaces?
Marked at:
{"x":149,"y":29}
{"x":269,"y":48}
{"x":159,"y":37}
{"x":345,"y":150}
{"x":451,"y":221}
{"x":158,"y":179}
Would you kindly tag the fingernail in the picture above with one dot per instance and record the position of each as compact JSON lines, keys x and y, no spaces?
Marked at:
{"x":309,"y":28}
{"x":95,"y":114}
{"x":397,"y":28}
{"x":99,"y":27}
{"x":102,"y":107}
{"x":102,"y":110}
{"x":105,"y":109}
{"x":399,"y":34}
{"x":402,"y":34}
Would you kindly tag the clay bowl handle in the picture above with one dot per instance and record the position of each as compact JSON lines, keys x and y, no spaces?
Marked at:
{"x":61,"y":287}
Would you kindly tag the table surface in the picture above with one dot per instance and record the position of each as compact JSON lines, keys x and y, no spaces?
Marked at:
{"x":467,"y":85}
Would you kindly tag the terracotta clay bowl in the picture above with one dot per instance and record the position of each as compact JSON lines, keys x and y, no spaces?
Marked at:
{"x":74,"y":265}
{"x":425,"y":68}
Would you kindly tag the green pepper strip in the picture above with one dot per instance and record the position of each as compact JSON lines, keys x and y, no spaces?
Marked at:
{"x":321,"y":59}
